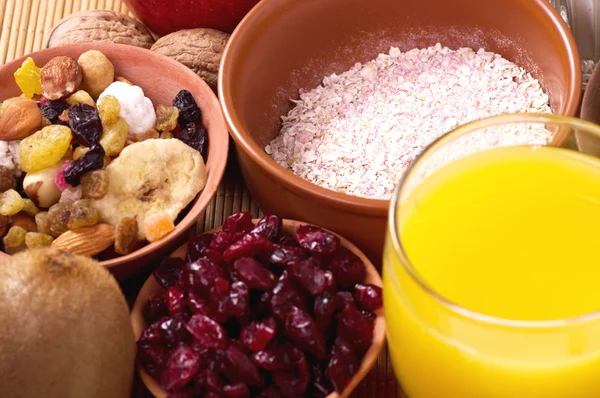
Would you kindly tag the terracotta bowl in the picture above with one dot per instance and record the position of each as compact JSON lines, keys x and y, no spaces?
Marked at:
{"x":290,"y":226}
{"x":284,"y":45}
{"x":161,"y":79}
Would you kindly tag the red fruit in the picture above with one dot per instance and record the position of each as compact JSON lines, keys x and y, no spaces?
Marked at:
{"x":238,"y":222}
{"x":168,"y":16}
{"x":354,"y":326}
{"x":155,"y":308}
{"x":197,"y":246}
{"x":346,"y":298}
{"x":59,"y":178}
{"x":269,"y":226}
{"x":347,"y":268}
{"x":340,"y":371}
{"x":175,"y":300}
{"x":286,"y":255}
{"x":302,"y":330}
{"x":208,"y":380}
{"x":270,"y":392}
{"x":275,"y":357}
{"x":197,"y":304}
{"x":309,"y":276}
{"x":368,"y":297}
{"x":316,"y":240}
{"x":325,"y":307}
{"x":174,"y":332}
{"x":290,"y":241}
{"x":285,"y":296}
{"x":320,"y":385}
{"x":182,"y":366}
{"x":239,"y":301}
{"x":153,"y":333}
{"x":293,"y":382}
{"x":238,"y":368}
{"x":201,"y":274}
{"x":250,"y":245}
{"x":153,"y":358}
{"x":236,"y":391}
{"x":222,"y":240}
{"x":169,"y":271}
{"x":219,"y":299}
{"x":256,"y":335}
{"x":254,"y":274}
{"x":207,"y":331}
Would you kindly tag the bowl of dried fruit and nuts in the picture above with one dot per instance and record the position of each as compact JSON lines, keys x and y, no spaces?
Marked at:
{"x":324,"y":132}
{"x":264,"y":308}
{"x":106,"y":150}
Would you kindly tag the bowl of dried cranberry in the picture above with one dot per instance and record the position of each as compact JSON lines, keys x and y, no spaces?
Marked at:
{"x":143,"y":147}
{"x":265,"y":308}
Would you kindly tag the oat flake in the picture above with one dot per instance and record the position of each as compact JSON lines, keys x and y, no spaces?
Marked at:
{"x":358,"y":131}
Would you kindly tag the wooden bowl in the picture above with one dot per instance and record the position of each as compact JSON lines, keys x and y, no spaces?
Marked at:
{"x":289,"y":226}
{"x":282,"y":46}
{"x":161,"y":78}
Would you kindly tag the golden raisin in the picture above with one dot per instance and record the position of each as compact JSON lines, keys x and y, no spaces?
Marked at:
{"x":126,"y":235}
{"x":81,"y":96}
{"x":95,"y":184}
{"x":30,"y":207}
{"x":108,"y":108}
{"x":28,"y":78}
{"x":158,"y":226}
{"x":11,"y":203}
{"x":44,"y":148}
{"x":36,"y":239}
{"x":165,"y":135}
{"x":114,"y":137}
{"x":83,"y":214}
{"x":57,"y":219}
{"x":166,"y":118}
{"x":41,"y":220}
{"x":15,"y":238}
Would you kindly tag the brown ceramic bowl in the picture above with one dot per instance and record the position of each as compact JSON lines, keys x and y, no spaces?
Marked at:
{"x":290,"y":226}
{"x":284,"y":45}
{"x":161,"y":78}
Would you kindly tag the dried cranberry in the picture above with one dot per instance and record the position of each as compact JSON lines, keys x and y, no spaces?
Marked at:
{"x":286,"y":255}
{"x":239,"y":222}
{"x":256,"y":335}
{"x":254,"y":274}
{"x":269,"y":226}
{"x":270,"y":392}
{"x":275,"y":357}
{"x":93,"y":159}
{"x":238,"y":368}
{"x":85,"y":124}
{"x":153,"y":333}
{"x":197,"y":304}
{"x":284,"y":296}
{"x":222,"y":240}
{"x":188,"y":392}
{"x":51,"y":110}
{"x":320,"y":385}
{"x":287,"y":240}
{"x":317,"y":240}
{"x":340,"y":371}
{"x":208,"y":380}
{"x":188,"y":108}
{"x":346,"y":298}
{"x":368,"y":297}
{"x":176,"y":302}
{"x":153,"y":358}
{"x":197,"y":246}
{"x":238,"y":390}
{"x":207,"y":331}
{"x":219,"y":299}
{"x":347,"y":268}
{"x":302,"y":330}
{"x":195,"y":136}
{"x":354,"y":326}
{"x":182,"y":366}
{"x":169,"y":271}
{"x":342,"y":346}
{"x":155,"y":308}
{"x":325,"y":307}
{"x":239,"y":301}
{"x":310,"y":277}
{"x":201,"y":274}
{"x":174,"y":331}
{"x":250,"y":245}
{"x":329,"y":282}
{"x":293,"y":382}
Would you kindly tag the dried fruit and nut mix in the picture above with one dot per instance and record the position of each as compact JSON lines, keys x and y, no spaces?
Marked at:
{"x":255,"y":311}
{"x":88,"y":165}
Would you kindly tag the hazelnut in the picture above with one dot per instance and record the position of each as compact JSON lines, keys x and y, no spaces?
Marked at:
{"x":20,"y":118}
{"x":61,"y":77}
{"x":98,"y":72}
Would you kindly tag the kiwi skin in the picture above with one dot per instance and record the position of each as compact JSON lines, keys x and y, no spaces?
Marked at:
{"x":65,"y":328}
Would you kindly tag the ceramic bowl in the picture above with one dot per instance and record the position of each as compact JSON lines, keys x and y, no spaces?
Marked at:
{"x":282,"y":46}
{"x":289,"y":226}
{"x":161,"y":78}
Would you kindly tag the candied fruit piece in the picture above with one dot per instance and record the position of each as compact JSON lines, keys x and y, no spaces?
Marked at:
{"x":269,"y":226}
{"x":91,"y":160}
{"x":301,"y":328}
{"x":166,"y":118}
{"x":36,"y":239}
{"x":169,"y":271}
{"x":108,"y":108}
{"x":57,"y":219}
{"x":126,"y":233}
{"x":158,"y":226}
{"x":347,"y":268}
{"x":188,"y":108}
{"x":181,"y":367}
{"x":207,"y":331}
{"x":11,"y":203}
{"x":30,"y":207}
{"x":114,"y":137}
{"x":59,"y":178}
{"x":316,"y":240}
{"x":95,"y":184}
{"x":79,"y":152}
{"x":250,"y":245}
{"x":153,"y":358}
{"x":238,"y":222}
{"x":51,"y":110}
{"x":7,"y":179}
{"x":14,"y":238}
{"x":85,"y":124}
{"x":44,"y":148}
{"x":81,"y":97}
{"x":29,"y":79}
{"x":275,"y":357}
{"x":83,"y":214}
{"x":254,"y":274}
{"x":155,"y":308}
{"x":41,"y":220}
{"x":368,"y":297}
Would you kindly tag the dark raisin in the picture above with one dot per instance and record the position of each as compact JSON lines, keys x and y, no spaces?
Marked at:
{"x":188,"y":109}
{"x":195,"y":136}
{"x":85,"y":124}
{"x":91,"y":160}
{"x":51,"y":110}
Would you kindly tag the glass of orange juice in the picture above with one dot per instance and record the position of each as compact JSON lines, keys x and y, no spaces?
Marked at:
{"x":492,"y":264}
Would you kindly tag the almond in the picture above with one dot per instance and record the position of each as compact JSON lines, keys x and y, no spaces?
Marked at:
{"x":20,"y":118}
{"x":86,"y":241}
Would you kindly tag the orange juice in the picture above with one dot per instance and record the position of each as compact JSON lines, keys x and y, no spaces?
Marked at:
{"x":501,"y":265}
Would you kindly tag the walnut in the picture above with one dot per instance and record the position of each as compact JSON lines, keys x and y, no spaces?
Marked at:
{"x":61,"y":77}
{"x":100,"y":26}
{"x":198,"y":49}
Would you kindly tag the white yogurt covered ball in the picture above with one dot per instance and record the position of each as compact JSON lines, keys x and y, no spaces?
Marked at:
{"x":136,"y":109}
{"x":9,"y":156}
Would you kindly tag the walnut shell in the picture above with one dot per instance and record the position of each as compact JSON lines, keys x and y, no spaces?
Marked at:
{"x":100,"y":26}
{"x":198,"y":49}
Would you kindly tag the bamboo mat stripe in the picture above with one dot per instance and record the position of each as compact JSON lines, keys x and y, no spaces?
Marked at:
{"x":25,"y":28}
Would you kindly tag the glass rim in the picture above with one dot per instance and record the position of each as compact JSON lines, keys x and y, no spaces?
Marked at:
{"x":461,"y":130}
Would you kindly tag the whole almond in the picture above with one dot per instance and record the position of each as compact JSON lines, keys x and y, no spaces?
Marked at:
{"x":86,"y":241}
{"x":20,"y":118}
{"x":61,"y":77}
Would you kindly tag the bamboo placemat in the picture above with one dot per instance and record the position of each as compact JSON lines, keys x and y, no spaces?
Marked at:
{"x":26,"y":25}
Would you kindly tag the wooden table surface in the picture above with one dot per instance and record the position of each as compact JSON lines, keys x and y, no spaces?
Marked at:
{"x":25,"y":28}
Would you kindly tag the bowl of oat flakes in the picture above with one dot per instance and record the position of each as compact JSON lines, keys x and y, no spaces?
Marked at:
{"x":329,"y":101}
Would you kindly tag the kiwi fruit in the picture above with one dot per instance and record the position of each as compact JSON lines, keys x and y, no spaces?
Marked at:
{"x":65,"y":328}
